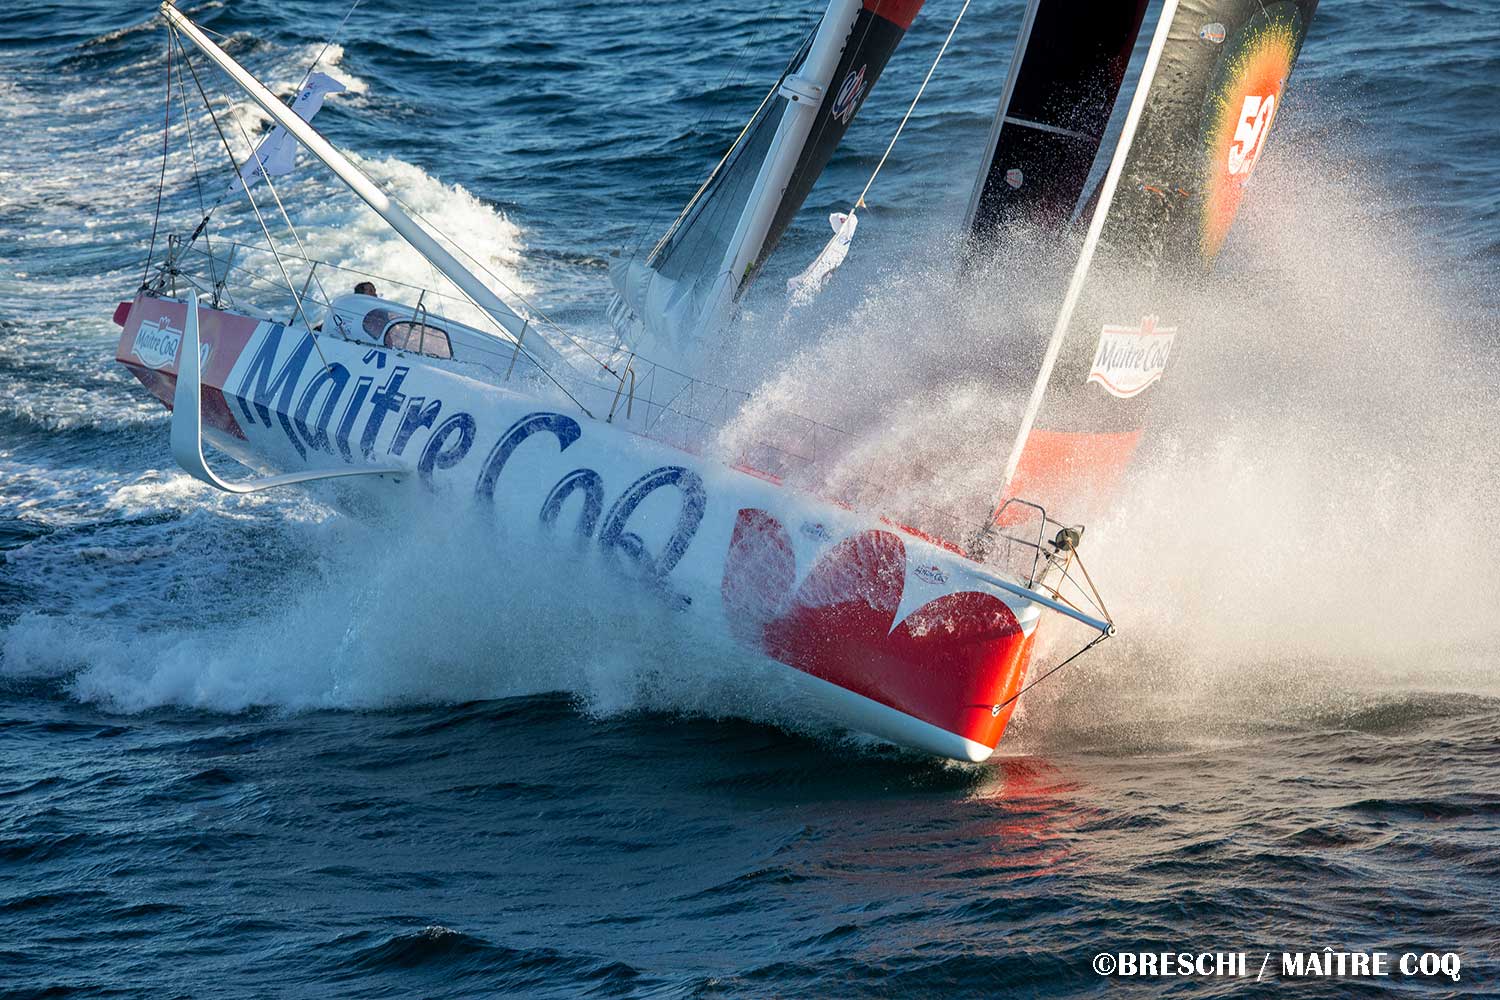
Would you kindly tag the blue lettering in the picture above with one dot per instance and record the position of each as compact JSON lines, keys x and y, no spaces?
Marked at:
{"x":266,"y":388}
{"x":336,"y":376}
{"x":592,"y":487}
{"x":351,"y":413}
{"x":565,"y":429}
{"x":387,"y":399}
{"x":613,"y":537}
{"x":437,"y":455}
{"x":414,"y":417}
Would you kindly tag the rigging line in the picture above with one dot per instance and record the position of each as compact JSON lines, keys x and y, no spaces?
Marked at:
{"x":860,"y":202}
{"x":166,"y":133}
{"x":998,"y":708}
{"x":800,"y":54}
{"x":387,"y":279}
{"x":714,"y":173}
{"x":666,"y":408}
{"x":305,"y":77}
{"x":202,"y":226}
{"x":342,"y":267}
{"x":282,"y":208}
{"x":1097,"y":596}
{"x":246,"y":185}
{"x":187,"y":126}
{"x":735,"y":69}
{"x":483,"y":311}
{"x":500,"y":281}
{"x":250,"y":277}
{"x":329,"y":44}
{"x":211,"y":31}
{"x":296,"y":298}
{"x":1081,"y":597}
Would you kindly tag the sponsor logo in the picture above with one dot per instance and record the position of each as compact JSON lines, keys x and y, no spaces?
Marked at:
{"x":1014,"y":177}
{"x":156,"y":344}
{"x":1130,"y":358}
{"x":851,"y":93}
{"x":1250,"y":133}
{"x":1213,"y":32}
{"x":816,"y":530}
{"x":930,"y":574}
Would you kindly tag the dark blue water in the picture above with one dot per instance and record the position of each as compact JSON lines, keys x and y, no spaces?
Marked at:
{"x":255,"y":746}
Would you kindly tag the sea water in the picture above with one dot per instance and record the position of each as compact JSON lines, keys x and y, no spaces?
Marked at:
{"x":266,"y":746}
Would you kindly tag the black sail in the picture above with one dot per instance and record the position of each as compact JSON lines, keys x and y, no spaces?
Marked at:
{"x":1205,"y":116}
{"x":1062,"y":86}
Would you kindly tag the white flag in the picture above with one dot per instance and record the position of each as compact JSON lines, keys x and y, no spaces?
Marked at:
{"x":805,"y":286}
{"x":277,"y":152}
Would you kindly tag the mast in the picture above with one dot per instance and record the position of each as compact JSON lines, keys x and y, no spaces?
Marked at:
{"x":1090,"y":244}
{"x":805,"y":93}
{"x":513,"y":325}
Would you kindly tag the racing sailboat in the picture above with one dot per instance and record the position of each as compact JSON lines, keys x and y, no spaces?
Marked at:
{"x":920,"y":633}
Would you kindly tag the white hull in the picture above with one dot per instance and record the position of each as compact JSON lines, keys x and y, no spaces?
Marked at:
{"x":886,"y":631}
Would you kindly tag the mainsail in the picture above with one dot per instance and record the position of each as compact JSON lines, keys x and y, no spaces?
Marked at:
{"x":691,"y":279}
{"x":1209,"y":89}
{"x":878,"y":29}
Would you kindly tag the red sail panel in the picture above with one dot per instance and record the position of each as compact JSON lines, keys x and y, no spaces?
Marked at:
{"x":1203,"y":126}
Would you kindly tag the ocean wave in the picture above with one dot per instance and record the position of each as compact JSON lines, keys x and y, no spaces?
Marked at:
{"x":21,"y":417}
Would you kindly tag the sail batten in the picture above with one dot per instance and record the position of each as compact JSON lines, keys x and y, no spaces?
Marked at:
{"x":1054,"y":112}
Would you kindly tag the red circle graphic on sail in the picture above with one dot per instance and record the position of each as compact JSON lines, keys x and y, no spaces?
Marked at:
{"x":1240,"y":113}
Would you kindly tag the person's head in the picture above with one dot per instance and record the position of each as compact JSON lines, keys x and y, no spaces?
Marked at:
{"x":366,"y":288}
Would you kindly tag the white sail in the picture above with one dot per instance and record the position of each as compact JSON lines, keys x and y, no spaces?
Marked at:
{"x":804,"y":287}
{"x":687,"y":282}
{"x":277,"y":153}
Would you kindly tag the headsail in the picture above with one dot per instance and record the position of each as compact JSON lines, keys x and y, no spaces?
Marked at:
{"x":689,"y":282}
{"x":1196,"y":128}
